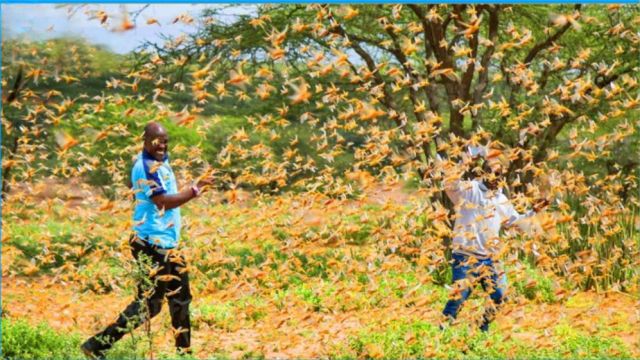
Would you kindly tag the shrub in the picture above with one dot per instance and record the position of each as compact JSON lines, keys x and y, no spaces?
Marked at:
{"x":535,"y":286}
{"x":218,"y":315}
{"x":20,"y":340}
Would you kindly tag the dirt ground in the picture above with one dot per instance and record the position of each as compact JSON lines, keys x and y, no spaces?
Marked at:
{"x":297,"y":331}
{"x":279,"y":335}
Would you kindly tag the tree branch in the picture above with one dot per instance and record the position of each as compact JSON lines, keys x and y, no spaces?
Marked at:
{"x":602,"y":81}
{"x":15,"y":90}
{"x":387,"y":99}
{"x":483,"y":73}
{"x":545,"y":44}
{"x":467,"y":77}
{"x":431,"y":36}
{"x":435,"y":34}
{"x":428,"y":51}
{"x":404,"y":62}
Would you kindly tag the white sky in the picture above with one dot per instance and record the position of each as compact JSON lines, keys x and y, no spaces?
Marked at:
{"x":45,"y":21}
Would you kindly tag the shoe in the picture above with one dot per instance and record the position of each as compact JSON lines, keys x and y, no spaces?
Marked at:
{"x":91,"y":350}
{"x":184,"y":352}
{"x":445,"y":322}
{"x":484,"y":327}
{"x":442,"y":326}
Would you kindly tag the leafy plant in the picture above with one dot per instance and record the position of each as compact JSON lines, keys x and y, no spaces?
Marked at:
{"x":21,"y":340}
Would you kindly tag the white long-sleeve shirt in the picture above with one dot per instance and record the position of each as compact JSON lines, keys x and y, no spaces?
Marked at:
{"x":480,"y":213}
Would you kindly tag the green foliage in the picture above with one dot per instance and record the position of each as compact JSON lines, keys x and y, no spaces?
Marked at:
{"x":534,"y":285}
{"x":358,"y":230}
{"x":222,"y":129}
{"x":251,"y":305}
{"x":418,"y":339}
{"x":399,"y":340}
{"x":314,"y":265}
{"x":65,"y":56}
{"x":245,"y":257}
{"x":122,"y":143}
{"x":100,"y":276}
{"x":57,"y":237}
{"x":606,"y":242}
{"x":309,"y":296}
{"x":394,"y":284}
{"x":220,"y":315}
{"x":579,"y":345}
{"x":22,"y":341}
{"x":129,"y":348}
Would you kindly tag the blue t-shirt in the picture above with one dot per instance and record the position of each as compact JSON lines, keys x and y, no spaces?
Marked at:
{"x":151,"y":178}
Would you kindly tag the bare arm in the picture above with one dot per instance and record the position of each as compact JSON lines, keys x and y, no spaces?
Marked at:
{"x":512,"y":216}
{"x":168,"y":202}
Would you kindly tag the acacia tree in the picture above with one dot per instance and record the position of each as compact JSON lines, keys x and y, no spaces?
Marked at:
{"x":522,"y":73}
{"x":46,"y":83}
{"x":372,"y":87}
{"x":556,"y":85}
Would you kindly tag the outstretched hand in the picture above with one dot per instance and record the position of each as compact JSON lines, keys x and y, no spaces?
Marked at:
{"x":540,"y":204}
{"x":205,"y":182}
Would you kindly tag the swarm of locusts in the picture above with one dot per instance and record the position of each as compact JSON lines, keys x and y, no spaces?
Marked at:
{"x":380,"y":88}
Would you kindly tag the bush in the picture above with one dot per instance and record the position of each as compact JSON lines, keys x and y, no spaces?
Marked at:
{"x":107,"y":153}
{"x":21,"y":340}
{"x":535,"y":286}
{"x":59,"y":238}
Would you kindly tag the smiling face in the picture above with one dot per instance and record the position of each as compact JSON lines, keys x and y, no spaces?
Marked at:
{"x":156,"y":141}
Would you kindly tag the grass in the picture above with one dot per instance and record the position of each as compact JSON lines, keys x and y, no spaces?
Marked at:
{"x":214,"y":314}
{"x":23,"y":341}
{"x":533,"y":285}
{"x":226,"y":315}
{"x":399,"y":339}
{"x":418,"y":339}
{"x":309,"y":296}
{"x":59,"y":242}
{"x":266,"y":267}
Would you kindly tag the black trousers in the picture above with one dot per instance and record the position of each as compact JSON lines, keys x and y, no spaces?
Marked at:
{"x":166,"y":278}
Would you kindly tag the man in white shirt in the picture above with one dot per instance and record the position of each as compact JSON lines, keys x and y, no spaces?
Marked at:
{"x":481,"y":210}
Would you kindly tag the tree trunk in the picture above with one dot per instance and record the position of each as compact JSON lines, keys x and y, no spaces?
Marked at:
{"x":6,"y":173}
{"x":455,"y":121}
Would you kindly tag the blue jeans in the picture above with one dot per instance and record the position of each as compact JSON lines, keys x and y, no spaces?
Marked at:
{"x":483,"y":270}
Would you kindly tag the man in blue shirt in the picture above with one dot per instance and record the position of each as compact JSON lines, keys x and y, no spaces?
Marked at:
{"x":156,"y":233}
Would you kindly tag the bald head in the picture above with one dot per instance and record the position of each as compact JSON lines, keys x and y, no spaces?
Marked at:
{"x":153,"y":129}
{"x":156,"y":140}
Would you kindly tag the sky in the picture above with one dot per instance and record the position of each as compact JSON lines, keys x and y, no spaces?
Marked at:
{"x":45,"y":21}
